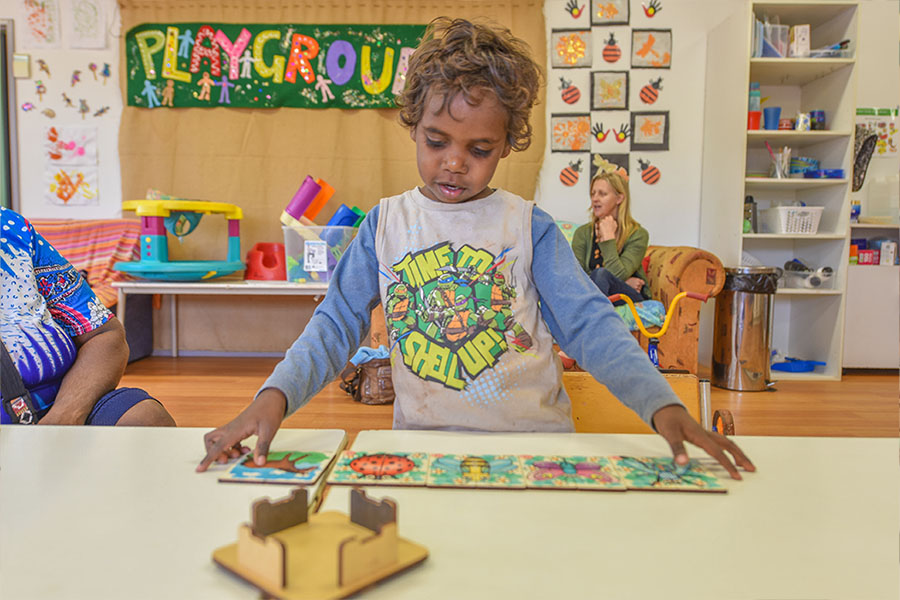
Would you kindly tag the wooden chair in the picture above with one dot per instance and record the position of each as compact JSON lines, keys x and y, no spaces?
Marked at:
{"x":596,"y":410}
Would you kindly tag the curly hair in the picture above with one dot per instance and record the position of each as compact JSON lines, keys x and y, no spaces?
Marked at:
{"x":460,"y":57}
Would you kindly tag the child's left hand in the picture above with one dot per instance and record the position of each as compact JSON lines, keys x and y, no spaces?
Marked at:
{"x":677,"y":426}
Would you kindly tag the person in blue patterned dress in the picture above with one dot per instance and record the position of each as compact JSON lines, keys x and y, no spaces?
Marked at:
{"x":68,"y":347}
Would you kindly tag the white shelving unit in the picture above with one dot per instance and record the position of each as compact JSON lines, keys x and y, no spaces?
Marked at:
{"x":872,"y":323}
{"x":808,"y":323}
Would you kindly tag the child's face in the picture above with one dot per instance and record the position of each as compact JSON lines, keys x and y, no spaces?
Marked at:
{"x":457,"y":150}
{"x":605,"y":200}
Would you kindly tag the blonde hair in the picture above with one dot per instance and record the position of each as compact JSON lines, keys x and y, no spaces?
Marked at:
{"x":625,"y":222}
{"x":460,"y":57}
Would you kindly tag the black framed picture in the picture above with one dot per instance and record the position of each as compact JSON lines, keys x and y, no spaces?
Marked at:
{"x":650,"y":130}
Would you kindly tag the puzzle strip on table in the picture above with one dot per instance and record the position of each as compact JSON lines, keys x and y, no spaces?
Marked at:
{"x":479,"y":471}
{"x":380,"y":468}
{"x":291,"y":468}
{"x":571,"y":472}
{"x":654,"y":473}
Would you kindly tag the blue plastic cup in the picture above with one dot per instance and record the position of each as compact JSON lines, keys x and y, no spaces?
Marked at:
{"x":771,"y":116}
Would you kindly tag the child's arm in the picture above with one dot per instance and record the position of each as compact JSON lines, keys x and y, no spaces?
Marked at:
{"x":625,"y":264}
{"x":335,"y":331}
{"x":587,"y":328}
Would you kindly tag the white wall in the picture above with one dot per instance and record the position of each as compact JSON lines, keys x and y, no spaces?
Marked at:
{"x":670,"y":209}
{"x":32,"y":125}
{"x":878,"y":87}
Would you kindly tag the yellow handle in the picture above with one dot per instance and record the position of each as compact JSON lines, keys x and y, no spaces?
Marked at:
{"x":637,"y":317}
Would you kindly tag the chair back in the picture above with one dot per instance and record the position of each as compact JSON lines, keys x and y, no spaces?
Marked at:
{"x":596,"y":410}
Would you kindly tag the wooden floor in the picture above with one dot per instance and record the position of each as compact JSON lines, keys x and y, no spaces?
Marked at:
{"x":208,"y":392}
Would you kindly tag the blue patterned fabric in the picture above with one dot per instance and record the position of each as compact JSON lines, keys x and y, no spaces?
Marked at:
{"x":652,"y":313}
{"x":44,"y":304}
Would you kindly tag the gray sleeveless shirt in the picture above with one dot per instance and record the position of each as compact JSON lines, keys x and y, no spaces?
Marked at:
{"x":469,"y":349}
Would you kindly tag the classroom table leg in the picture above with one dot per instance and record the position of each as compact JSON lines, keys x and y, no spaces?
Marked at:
{"x":120,"y":307}
{"x":174,"y":306}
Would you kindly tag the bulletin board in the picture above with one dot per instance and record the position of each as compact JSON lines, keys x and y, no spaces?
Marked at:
{"x":257,"y":158}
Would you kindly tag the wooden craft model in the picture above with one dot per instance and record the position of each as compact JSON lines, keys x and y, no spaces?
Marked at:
{"x":290,"y":554}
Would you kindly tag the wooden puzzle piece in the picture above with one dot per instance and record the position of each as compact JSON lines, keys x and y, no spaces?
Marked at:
{"x":571,"y":472}
{"x":479,"y":471}
{"x":654,"y":473}
{"x":290,"y":467}
{"x":380,"y":468}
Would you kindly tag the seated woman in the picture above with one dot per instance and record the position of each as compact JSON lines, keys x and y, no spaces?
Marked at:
{"x":64,"y":352}
{"x":612,"y":246}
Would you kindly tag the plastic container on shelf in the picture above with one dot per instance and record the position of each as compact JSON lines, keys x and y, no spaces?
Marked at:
{"x":831,"y":53}
{"x":312,"y":253}
{"x":791,"y":219}
{"x":776,"y":39}
{"x":820,"y":279}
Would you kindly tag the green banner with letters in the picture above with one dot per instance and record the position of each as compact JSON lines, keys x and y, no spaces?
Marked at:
{"x":181,"y":65}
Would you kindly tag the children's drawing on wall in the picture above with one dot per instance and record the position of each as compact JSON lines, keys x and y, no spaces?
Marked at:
{"x":573,"y":9}
{"x":609,"y":90}
{"x":69,"y":145}
{"x":650,"y":130}
{"x":649,"y":173}
{"x":571,"y":169}
{"x":71,"y":186}
{"x":38,"y":24}
{"x":599,"y":133}
{"x":610,"y":129}
{"x":611,"y":51}
{"x":569,"y":90}
{"x":570,"y":174}
{"x":651,"y":8}
{"x":651,"y":48}
{"x":570,"y":48}
{"x":650,"y":92}
{"x":609,"y":163}
{"x":70,"y":171}
{"x":570,"y":93}
{"x":87,"y":28}
{"x":610,"y":12}
{"x":267,"y":65}
{"x":570,"y":133}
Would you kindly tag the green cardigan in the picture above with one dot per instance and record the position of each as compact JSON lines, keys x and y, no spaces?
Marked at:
{"x":623,"y":265}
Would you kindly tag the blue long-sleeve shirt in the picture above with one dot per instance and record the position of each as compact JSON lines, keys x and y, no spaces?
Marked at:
{"x":579,"y":317}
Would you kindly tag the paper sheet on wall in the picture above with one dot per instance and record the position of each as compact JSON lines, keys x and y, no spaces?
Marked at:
{"x":71,"y":185}
{"x":70,"y":145}
{"x":883,"y":123}
{"x":86,"y":24}
{"x":39,"y":24}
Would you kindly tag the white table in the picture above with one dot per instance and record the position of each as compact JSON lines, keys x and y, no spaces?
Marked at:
{"x":818,"y":520}
{"x":113,"y":512}
{"x":213,"y":288}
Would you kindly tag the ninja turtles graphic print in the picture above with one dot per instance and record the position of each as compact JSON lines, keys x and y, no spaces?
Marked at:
{"x":450,"y":313}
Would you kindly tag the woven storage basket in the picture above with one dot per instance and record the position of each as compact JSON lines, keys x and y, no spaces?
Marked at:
{"x":791,"y":219}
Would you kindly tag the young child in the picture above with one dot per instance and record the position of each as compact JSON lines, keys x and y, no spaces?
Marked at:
{"x":476,"y":282}
{"x":612,"y":245}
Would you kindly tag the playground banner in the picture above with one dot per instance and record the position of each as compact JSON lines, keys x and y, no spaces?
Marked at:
{"x":267,"y":65}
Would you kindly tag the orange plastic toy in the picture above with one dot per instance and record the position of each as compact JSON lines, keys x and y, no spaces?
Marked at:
{"x":265,"y":261}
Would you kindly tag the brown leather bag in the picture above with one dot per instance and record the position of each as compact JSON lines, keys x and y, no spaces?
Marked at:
{"x":370,"y":382}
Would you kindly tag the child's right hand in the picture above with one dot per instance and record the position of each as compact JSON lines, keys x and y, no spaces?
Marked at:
{"x":262,"y":418}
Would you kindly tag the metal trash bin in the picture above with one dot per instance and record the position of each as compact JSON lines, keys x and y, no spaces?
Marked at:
{"x":743,"y":329}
